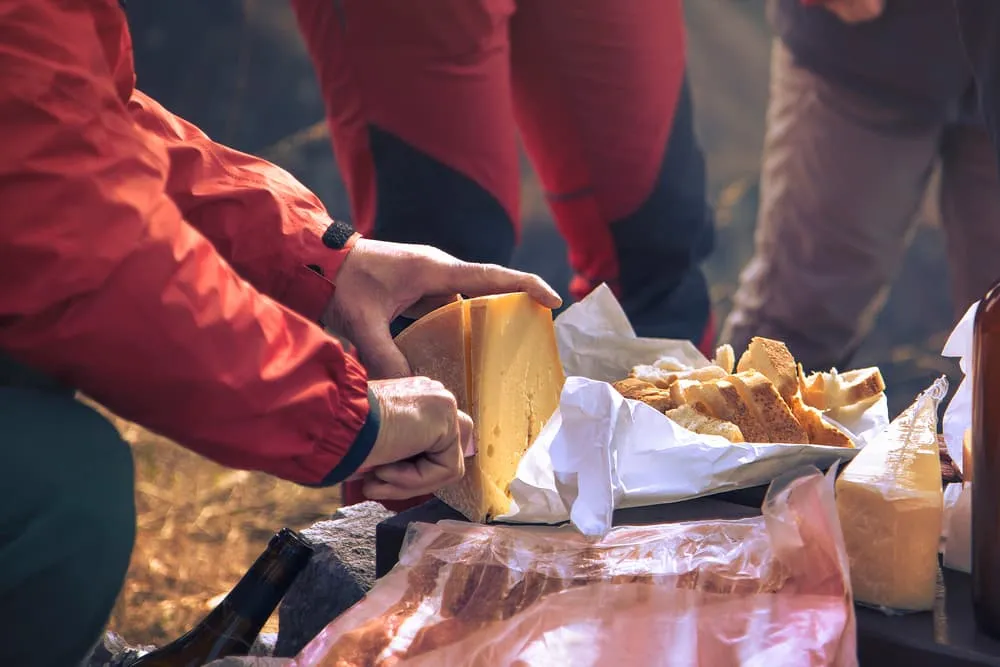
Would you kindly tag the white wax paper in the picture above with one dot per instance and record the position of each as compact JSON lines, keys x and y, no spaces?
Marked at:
{"x":956,"y":533}
{"x":602,"y":452}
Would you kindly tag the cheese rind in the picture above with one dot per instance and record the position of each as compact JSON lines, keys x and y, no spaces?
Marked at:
{"x":498,"y":355}
{"x":436,"y":346}
{"x":890,"y":503}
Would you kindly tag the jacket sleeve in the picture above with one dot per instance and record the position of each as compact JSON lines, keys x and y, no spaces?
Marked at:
{"x":267,"y":225}
{"x":104,"y":286}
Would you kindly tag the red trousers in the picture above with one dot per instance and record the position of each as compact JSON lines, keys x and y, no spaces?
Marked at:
{"x":427,"y":101}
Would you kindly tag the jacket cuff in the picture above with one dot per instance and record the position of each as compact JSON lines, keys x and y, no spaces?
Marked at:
{"x":359,"y":450}
{"x":309,"y":292}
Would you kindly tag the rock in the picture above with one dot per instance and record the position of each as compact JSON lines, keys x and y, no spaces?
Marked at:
{"x":250,"y":661}
{"x":264,"y":644}
{"x":341,"y":572}
{"x":113,"y":651}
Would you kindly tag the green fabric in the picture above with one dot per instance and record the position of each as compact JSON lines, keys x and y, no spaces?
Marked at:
{"x":67,"y":522}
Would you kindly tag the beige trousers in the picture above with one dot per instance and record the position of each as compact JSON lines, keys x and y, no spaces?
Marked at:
{"x":843,"y":178}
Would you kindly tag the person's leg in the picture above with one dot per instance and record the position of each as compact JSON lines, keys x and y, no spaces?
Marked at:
{"x":418,"y":102}
{"x":603,"y":106}
{"x":67,"y":523}
{"x":419,"y":107}
{"x":970,"y":212}
{"x":841,"y":182}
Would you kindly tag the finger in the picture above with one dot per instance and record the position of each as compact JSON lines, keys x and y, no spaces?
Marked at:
{"x":379,"y":354}
{"x":406,"y":479}
{"x":465,"y":434}
{"x":425,"y":470}
{"x":482,"y":279}
{"x":431,"y":470}
{"x":374,"y":488}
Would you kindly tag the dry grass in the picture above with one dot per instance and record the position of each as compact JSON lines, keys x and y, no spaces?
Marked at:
{"x":200,"y":526}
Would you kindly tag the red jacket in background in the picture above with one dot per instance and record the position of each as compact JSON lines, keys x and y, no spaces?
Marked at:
{"x":146,"y":265}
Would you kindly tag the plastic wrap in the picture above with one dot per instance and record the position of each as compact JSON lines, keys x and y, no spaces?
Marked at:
{"x":771,"y":590}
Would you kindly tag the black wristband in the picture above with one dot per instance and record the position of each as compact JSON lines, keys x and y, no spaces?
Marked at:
{"x":337,"y":235}
{"x":360,"y":448}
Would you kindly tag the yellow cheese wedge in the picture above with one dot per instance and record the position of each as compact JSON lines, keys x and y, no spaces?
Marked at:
{"x":498,"y":355}
{"x":891,"y":505}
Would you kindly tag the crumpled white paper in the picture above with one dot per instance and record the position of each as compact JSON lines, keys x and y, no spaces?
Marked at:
{"x":956,"y":534}
{"x":600,"y":452}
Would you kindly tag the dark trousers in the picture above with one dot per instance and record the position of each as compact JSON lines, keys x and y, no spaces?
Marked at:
{"x":67,"y":521}
{"x":427,"y":134}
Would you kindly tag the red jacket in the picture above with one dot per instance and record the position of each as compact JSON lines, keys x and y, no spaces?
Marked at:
{"x":160,"y":273}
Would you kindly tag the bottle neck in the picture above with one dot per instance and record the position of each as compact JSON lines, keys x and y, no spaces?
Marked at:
{"x":254,"y":598}
{"x":260,"y":590}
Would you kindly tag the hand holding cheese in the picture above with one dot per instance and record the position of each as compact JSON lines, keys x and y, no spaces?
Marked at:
{"x":379,"y":281}
{"x":421,"y":442}
{"x":498,"y":356}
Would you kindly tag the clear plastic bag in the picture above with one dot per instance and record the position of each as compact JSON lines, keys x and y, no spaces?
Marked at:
{"x":769,"y":591}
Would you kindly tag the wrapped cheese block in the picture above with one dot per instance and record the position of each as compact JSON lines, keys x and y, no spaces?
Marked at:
{"x":891,"y":506}
{"x":498,"y":356}
{"x":772,"y":590}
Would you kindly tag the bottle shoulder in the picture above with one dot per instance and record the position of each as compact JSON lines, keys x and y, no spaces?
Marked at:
{"x":988,"y":312}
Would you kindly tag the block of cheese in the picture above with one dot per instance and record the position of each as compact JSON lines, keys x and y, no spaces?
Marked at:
{"x":498,"y":355}
{"x":890,"y":503}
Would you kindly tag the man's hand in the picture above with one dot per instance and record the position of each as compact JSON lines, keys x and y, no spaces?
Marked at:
{"x":852,"y":11}
{"x":421,"y":443}
{"x":380,"y":281}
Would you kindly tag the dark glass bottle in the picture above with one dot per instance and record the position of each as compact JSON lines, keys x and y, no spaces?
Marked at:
{"x":232,"y":627}
{"x":986,"y":464}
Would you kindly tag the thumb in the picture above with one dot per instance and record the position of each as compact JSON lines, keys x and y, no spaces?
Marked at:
{"x":379,"y":354}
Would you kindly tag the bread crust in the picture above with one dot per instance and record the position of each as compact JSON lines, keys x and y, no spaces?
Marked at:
{"x":772,"y":359}
{"x":770,"y":408}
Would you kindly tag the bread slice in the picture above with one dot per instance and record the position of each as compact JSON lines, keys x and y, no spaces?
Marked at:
{"x":722,"y":400}
{"x":725,"y":358}
{"x":678,"y":390}
{"x":772,"y":359}
{"x":699,"y":396}
{"x":654,"y":376}
{"x":694,"y":420}
{"x":739,"y":412}
{"x":769,"y":408}
{"x":819,"y":431}
{"x":645,"y":392}
{"x":664,"y":379}
{"x":832,"y":390}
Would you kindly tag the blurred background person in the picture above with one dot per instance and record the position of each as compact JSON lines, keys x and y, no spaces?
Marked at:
{"x":425,"y":102}
{"x":868,"y":98}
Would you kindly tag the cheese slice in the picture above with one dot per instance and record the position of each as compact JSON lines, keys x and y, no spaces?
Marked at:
{"x":498,"y":355}
{"x":890,"y":503}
